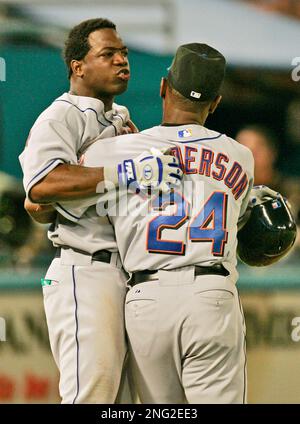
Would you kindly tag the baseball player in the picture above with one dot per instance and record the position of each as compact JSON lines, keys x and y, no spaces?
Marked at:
{"x":183,"y":315}
{"x":84,"y":287}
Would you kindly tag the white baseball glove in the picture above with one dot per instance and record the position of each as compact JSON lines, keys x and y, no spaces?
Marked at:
{"x":156,"y":170}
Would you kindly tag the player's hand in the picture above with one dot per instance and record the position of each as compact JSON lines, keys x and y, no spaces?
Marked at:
{"x":122,"y":112}
{"x":157,"y":170}
{"x":43,"y":214}
{"x":130,"y":128}
{"x":260,"y":194}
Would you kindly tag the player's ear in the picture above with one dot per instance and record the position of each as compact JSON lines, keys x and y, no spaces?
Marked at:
{"x":163,"y":87}
{"x":76,"y":66}
{"x":214,"y":104}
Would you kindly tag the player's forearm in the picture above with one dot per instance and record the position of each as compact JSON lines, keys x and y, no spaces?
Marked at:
{"x":67,"y":182}
{"x":44,"y":214}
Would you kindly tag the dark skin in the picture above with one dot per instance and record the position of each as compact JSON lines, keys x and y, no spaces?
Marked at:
{"x":178,"y":112}
{"x":104,"y":71}
{"x":44,"y":214}
{"x":102,"y":74}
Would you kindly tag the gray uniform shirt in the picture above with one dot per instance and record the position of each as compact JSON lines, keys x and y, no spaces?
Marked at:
{"x":61,"y":134}
{"x":194,"y":225}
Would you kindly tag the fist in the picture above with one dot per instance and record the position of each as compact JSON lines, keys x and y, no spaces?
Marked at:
{"x":129,"y":128}
{"x":156,"y":170}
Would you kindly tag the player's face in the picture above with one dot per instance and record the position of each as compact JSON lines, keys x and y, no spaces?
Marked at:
{"x":262,"y":152}
{"x":264,"y":155}
{"x":105,"y":68}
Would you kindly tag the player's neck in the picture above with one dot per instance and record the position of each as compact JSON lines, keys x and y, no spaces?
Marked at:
{"x":179,"y":117}
{"x":77,"y":90}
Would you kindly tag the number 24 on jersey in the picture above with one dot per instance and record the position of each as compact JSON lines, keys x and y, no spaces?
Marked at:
{"x":209,"y":225}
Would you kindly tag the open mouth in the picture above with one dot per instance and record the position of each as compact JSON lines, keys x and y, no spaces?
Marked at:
{"x":124,"y":74}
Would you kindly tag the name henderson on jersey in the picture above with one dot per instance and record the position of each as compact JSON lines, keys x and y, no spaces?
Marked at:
{"x":212,"y":165}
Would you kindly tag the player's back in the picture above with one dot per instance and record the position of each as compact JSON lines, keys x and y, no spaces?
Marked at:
{"x":196,"y":224}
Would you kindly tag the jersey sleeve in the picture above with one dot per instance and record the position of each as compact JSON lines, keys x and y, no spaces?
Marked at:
{"x":49,"y":143}
{"x":73,"y":210}
{"x":108,"y":152}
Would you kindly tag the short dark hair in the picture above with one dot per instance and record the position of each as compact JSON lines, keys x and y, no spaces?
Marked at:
{"x":77,"y":45}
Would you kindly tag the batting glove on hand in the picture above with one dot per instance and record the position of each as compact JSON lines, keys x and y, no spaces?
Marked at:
{"x":260,"y":194}
{"x":156,"y":170}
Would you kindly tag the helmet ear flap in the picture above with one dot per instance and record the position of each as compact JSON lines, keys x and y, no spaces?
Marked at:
{"x":268,"y":235}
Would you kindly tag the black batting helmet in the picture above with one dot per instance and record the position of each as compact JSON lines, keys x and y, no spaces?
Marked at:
{"x":268,"y":235}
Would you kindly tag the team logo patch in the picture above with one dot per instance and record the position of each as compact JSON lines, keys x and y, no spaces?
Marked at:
{"x":147,"y":172}
{"x":276,"y":204}
{"x":187,"y":132}
{"x":195,"y":94}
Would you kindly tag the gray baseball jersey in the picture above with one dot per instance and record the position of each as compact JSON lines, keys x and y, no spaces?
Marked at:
{"x":83,"y":298}
{"x":186,"y":332}
{"x":61,"y":134}
{"x":195,"y":225}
